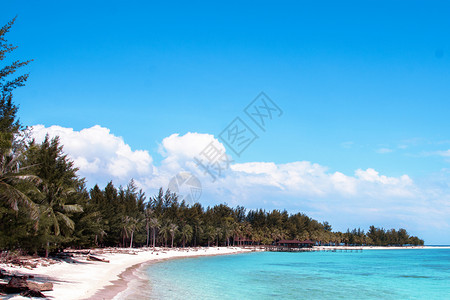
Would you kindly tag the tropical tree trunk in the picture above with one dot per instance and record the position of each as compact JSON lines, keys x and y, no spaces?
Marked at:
{"x":131,"y":242}
{"x":195,"y":236}
{"x":154,"y":237}
{"x":46,"y":249}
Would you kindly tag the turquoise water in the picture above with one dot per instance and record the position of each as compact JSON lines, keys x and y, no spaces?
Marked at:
{"x":372,"y":274}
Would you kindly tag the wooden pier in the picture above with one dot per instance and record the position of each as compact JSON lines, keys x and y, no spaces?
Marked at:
{"x":279,"y":248}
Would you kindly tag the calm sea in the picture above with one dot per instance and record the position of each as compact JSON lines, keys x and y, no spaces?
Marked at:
{"x":372,"y":274}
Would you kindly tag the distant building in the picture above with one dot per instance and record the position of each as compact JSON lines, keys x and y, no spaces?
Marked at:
{"x":295,"y":244}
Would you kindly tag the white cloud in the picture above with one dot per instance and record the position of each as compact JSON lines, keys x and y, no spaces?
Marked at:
{"x":99,"y":154}
{"x":384,"y":150}
{"x":179,"y":151}
{"x":307,"y":179}
{"x":444,"y":153}
{"x":365,"y":196}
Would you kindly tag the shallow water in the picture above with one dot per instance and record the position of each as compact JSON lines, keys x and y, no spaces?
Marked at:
{"x":372,"y":274}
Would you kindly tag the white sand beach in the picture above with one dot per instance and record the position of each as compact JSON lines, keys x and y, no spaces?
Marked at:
{"x":83,"y":279}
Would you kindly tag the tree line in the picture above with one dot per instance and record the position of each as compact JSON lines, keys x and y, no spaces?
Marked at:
{"x":45,"y":205}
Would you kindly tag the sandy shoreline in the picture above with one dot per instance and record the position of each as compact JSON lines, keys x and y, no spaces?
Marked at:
{"x":135,"y":273}
{"x":99,"y":280}
{"x":84,"y":279}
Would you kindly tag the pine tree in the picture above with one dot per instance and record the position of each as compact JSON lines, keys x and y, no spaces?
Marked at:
{"x":59,"y":191}
{"x":15,"y":183}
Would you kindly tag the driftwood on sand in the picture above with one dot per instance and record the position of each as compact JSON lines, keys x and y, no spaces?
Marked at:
{"x":94,"y":258}
{"x":20,"y":284}
{"x":25,"y":261}
{"x":32,"y":293}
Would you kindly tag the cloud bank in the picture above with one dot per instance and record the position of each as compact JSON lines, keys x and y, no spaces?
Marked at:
{"x":363,"y":197}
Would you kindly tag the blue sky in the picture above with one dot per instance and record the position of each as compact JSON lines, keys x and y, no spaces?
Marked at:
{"x":362,"y":84}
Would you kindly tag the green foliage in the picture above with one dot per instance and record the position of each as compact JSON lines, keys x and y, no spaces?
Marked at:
{"x":18,"y":213}
{"x":9,"y":124}
{"x":60,"y":191}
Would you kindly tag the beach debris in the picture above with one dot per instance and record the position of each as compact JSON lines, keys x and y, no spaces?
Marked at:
{"x":93,"y":258}
{"x":26,"y":261}
{"x":64,"y":255}
{"x":42,"y":287}
{"x":32,"y":293}
{"x":20,"y":284}
{"x":73,"y":252}
{"x":16,"y":284}
{"x":117,"y":250}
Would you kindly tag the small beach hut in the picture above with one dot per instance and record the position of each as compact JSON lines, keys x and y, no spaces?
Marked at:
{"x":307,"y":244}
{"x":289,"y":243}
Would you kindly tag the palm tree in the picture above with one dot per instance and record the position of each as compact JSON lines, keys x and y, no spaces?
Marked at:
{"x":277,"y":234}
{"x":129,"y":227}
{"x":302,"y":236}
{"x":10,"y":179}
{"x":173,"y":229}
{"x":210,"y":234}
{"x":133,"y":226}
{"x":186,"y":233}
{"x":54,"y":213}
{"x":148,"y":213}
{"x":257,"y":236}
{"x":154,"y":224}
{"x":245,"y":229}
{"x":91,"y":224}
{"x":198,"y":229}
{"x":12,"y":175}
{"x":198,"y":232}
{"x":228,"y":230}
{"x":165,"y":232}
{"x":218,"y":234}
{"x":237,"y":233}
{"x":58,"y":189}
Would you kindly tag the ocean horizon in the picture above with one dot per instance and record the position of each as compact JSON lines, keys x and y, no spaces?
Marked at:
{"x":370,"y":274}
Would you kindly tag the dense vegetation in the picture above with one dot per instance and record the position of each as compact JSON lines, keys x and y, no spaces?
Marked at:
{"x":44,"y":204}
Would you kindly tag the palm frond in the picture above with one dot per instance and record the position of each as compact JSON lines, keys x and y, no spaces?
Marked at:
{"x":72,"y":208}
{"x":66,"y":220}
{"x":56,"y":223}
{"x":26,"y":178}
{"x":13,"y":197}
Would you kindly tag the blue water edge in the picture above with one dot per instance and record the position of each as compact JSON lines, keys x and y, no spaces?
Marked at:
{"x":371,"y":274}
